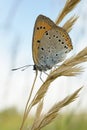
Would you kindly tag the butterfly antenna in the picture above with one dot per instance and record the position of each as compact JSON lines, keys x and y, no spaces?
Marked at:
{"x":22,"y":68}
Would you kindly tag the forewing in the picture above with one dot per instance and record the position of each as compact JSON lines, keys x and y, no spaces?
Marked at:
{"x":42,"y":25}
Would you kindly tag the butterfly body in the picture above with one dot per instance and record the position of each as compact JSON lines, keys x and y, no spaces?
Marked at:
{"x":50,"y":44}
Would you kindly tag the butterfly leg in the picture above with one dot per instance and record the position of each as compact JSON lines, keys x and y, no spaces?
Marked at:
{"x":41,"y":77}
{"x":46,"y":73}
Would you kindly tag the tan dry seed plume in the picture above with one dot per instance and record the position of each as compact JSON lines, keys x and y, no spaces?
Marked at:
{"x":53,"y":112}
{"x":38,"y":115}
{"x":69,"y":6}
{"x":68,"y":25}
{"x":68,"y":68}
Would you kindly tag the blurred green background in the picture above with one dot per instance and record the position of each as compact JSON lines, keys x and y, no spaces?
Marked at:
{"x":10,"y":119}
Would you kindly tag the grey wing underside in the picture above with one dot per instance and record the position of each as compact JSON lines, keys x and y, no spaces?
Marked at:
{"x":52,"y":49}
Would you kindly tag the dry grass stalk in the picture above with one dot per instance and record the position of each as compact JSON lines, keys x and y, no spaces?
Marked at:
{"x":39,"y":109}
{"x":79,"y":58}
{"x":68,"y":68}
{"x":28,"y":107}
{"x":65,"y":101}
{"x":38,"y":115}
{"x":68,"y":25}
{"x":53,"y":112}
{"x":41,"y":92}
{"x":69,"y":6}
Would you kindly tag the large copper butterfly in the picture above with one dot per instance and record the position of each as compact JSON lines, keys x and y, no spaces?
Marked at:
{"x":50,"y":44}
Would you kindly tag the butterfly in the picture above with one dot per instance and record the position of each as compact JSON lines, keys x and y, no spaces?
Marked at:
{"x":50,"y":44}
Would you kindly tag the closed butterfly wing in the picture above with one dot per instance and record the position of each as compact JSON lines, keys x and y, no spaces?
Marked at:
{"x":42,"y":25}
{"x":54,"y":46}
{"x":50,"y":43}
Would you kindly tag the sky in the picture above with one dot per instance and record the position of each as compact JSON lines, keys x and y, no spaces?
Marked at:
{"x":17,"y":18}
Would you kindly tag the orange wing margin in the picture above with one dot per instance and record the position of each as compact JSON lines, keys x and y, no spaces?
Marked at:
{"x":42,"y":25}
